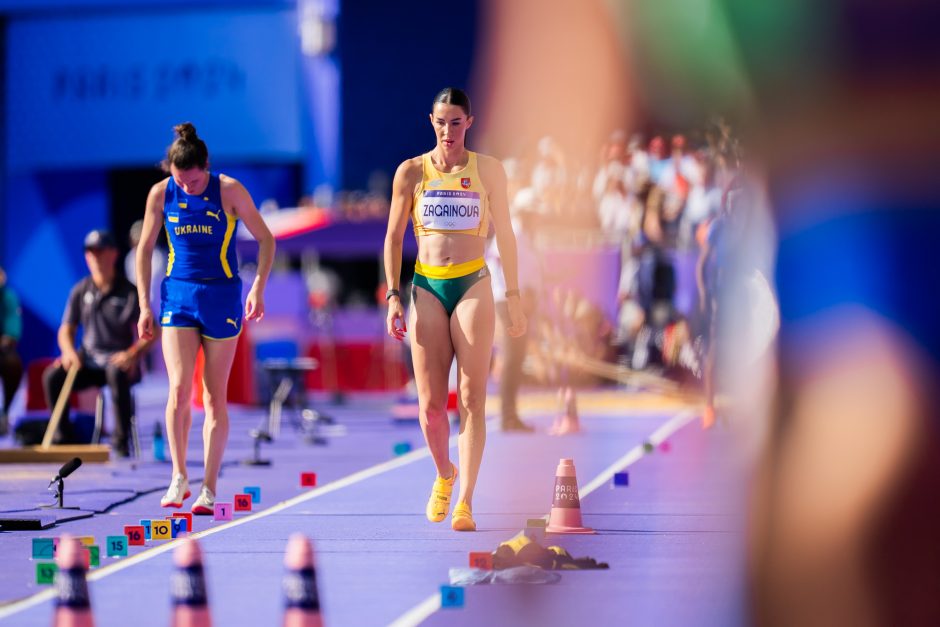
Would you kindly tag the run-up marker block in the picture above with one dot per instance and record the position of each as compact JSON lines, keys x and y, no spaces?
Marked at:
{"x":648,"y":447}
{"x":242,"y":502}
{"x":401,"y":448}
{"x":451,"y":596}
{"x":116,"y":546}
{"x":161,"y":530}
{"x":254,"y":491}
{"x":621,"y":479}
{"x":135,"y":535}
{"x":146,"y":525}
{"x":86,"y":557}
{"x":43,"y":549}
{"x":482,"y":560}
{"x":223,"y":511}
{"x":45,"y":572}
{"x":536,"y":522}
{"x":308,"y":479}
{"x":177,"y":526}
{"x":187,"y":517}
{"x":665,"y":446}
{"x":86,"y":540}
{"x":94,"y":556}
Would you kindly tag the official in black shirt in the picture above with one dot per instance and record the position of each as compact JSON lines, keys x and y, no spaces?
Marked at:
{"x":105,"y":305}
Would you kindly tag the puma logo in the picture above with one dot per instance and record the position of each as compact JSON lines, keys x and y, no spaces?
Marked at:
{"x":214,"y":215}
{"x":232,"y":322}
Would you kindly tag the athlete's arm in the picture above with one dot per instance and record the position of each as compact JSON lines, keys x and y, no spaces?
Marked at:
{"x":244,"y":207}
{"x":153,"y":222}
{"x":494,"y":179}
{"x":402,"y":200}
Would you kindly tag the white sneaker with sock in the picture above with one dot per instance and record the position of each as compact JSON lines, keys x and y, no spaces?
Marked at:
{"x":205,"y":504}
{"x":176,"y":493}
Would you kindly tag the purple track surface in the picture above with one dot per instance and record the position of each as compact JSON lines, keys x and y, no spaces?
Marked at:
{"x":673,"y":538}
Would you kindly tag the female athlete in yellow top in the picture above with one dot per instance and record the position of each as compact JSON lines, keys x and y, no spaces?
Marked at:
{"x":452,"y":195}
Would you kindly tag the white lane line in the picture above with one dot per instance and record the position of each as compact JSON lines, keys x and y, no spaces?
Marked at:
{"x":423,"y":610}
{"x":357,"y":477}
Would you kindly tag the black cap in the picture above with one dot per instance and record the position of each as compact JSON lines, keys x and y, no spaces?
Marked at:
{"x":99,"y":238}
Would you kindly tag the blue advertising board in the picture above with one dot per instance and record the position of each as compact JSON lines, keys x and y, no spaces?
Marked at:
{"x":106,"y":89}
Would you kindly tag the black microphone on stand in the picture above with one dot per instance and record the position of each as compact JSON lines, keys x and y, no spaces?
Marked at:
{"x":68,"y":468}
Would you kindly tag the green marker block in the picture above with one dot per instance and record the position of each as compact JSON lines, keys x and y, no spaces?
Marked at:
{"x":45,"y":572}
{"x":647,"y":447}
{"x":95,"y":555}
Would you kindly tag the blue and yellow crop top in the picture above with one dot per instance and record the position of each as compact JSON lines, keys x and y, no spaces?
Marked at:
{"x":199,"y":233}
{"x":451,"y":202}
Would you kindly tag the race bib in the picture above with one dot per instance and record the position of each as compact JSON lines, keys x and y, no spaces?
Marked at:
{"x":450,"y":210}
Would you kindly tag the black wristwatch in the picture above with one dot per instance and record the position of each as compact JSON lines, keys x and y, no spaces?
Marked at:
{"x":391,"y":293}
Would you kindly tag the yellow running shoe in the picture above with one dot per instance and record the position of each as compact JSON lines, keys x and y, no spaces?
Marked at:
{"x":439,"y":503}
{"x":462,"y":520}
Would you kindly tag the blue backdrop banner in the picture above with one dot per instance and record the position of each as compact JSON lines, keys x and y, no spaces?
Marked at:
{"x":107,"y":89}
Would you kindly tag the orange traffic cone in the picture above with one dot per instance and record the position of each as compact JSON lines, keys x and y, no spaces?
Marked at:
{"x":72,"y":606}
{"x":568,"y":421}
{"x":188,"y":587}
{"x":566,"y":506}
{"x":301,"y":599}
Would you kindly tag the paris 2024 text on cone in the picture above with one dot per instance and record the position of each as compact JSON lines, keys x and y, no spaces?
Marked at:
{"x":301,"y":599}
{"x":566,"y":503}
{"x":73,"y":605}
{"x":188,"y":587}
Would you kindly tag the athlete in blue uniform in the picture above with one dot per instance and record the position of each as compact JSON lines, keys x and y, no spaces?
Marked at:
{"x":200,"y":300}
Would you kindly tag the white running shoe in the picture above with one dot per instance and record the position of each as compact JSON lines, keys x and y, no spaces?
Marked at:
{"x":176,"y":493}
{"x":205,"y":504}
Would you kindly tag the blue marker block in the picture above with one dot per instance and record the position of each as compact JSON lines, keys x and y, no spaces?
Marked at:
{"x":43,"y":549}
{"x":254,"y":491}
{"x":146,"y":525}
{"x":621,"y":479}
{"x":451,"y":596}
{"x":177,"y":526}
{"x":401,"y":448}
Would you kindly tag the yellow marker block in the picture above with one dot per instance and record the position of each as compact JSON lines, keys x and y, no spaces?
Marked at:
{"x":87,"y":540}
{"x":161,"y":530}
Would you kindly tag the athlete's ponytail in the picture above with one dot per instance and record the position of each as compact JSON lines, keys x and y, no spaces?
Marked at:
{"x":187,"y":151}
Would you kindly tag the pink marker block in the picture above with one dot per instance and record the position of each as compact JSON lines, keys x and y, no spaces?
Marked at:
{"x":665,"y":446}
{"x":223,"y":511}
{"x":242,"y":502}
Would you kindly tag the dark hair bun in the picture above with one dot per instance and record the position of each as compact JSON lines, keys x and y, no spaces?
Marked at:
{"x":186,"y":131}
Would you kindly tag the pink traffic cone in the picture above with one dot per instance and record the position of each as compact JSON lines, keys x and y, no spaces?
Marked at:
{"x":566,"y":505}
{"x":73,"y":605}
{"x":188,"y":587}
{"x":301,"y":599}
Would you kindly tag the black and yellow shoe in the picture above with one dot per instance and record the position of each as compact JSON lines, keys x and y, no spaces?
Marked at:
{"x":439,"y":503}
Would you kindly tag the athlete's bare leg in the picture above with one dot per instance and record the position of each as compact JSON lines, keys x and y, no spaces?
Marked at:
{"x":179,"y":352}
{"x":471,"y":328}
{"x":219,"y":357}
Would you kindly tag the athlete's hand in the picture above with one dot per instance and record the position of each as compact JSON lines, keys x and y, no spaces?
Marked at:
{"x":517,"y":320}
{"x":254,"y":305}
{"x":145,"y":324}
{"x":395,"y":322}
